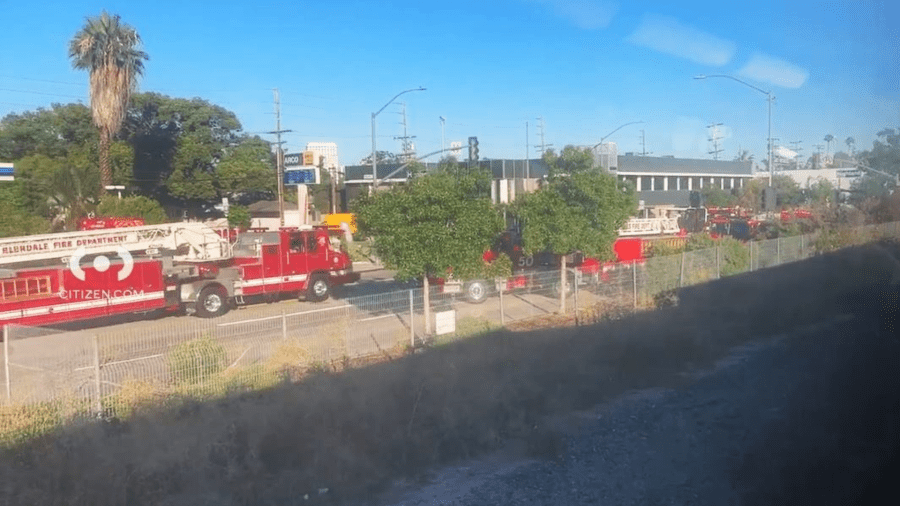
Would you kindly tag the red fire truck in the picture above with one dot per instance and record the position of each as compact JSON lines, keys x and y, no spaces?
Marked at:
{"x":525,"y":267}
{"x":182,"y":266}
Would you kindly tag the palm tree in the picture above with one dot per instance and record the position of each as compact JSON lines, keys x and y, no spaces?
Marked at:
{"x":851,"y":142}
{"x":828,"y":140}
{"x":107,"y":49}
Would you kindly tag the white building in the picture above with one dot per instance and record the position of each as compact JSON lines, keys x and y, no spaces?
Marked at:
{"x":328,"y":150}
{"x":840,"y":178}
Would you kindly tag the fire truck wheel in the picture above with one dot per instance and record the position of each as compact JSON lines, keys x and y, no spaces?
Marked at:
{"x":212,"y":302}
{"x":476,"y":292}
{"x":318,"y":289}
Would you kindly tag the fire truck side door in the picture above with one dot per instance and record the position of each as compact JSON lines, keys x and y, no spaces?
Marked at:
{"x":295,"y":261}
{"x":271,"y":261}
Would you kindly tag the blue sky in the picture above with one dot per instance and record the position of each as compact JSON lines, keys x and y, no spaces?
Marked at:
{"x":584,"y":67}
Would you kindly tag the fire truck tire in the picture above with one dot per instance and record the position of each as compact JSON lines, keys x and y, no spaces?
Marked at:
{"x":212,"y":302}
{"x":476,"y":292}
{"x":319,"y":289}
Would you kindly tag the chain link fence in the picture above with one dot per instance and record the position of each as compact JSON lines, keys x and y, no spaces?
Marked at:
{"x":111,"y":370}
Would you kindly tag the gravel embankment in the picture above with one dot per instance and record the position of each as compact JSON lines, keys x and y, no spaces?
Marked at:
{"x":808,"y":417}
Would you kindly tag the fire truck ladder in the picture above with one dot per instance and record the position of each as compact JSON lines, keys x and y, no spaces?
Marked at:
{"x":649,"y":226}
{"x":185,"y":241}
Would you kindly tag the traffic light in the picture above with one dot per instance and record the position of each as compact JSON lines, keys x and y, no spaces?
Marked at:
{"x":473,"y":149}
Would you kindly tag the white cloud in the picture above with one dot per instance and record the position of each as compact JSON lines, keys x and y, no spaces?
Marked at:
{"x":668,"y":35}
{"x":585,"y":14}
{"x":774,"y":71}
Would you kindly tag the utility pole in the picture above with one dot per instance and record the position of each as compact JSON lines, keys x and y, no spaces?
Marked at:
{"x":543,"y":145}
{"x":818,"y":158}
{"x":797,"y":148}
{"x":644,"y":151}
{"x":409,"y":151}
{"x":527,"y":150}
{"x":279,"y":156}
{"x":715,"y":138}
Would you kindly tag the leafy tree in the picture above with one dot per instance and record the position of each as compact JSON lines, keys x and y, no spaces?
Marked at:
{"x":787,"y":190}
{"x":136,"y":206}
{"x":239,"y":217}
{"x":107,"y":49}
{"x":246,"y":167}
{"x":718,"y":197}
{"x":433,"y":224}
{"x":820,"y":192}
{"x":14,"y":219}
{"x":571,"y":160}
{"x":885,"y":152}
{"x":51,"y":132}
{"x":382,"y":157}
{"x":581,"y":211}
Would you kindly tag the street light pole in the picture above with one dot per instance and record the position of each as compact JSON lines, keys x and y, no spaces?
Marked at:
{"x":614,"y":131}
{"x":769,"y":99}
{"x":374,"y":157}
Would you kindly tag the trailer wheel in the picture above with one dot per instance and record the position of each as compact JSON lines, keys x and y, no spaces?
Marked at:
{"x":476,"y":292}
{"x":318,"y":289}
{"x":212,"y":302}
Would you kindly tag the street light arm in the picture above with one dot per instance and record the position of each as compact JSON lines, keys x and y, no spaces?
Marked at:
{"x":614,"y":131}
{"x":395,"y":98}
{"x":745,"y":83}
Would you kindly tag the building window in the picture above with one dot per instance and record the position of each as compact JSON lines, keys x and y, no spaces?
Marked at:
{"x":673,"y":183}
{"x":658,"y":183}
{"x":646,"y":183}
{"x":696,"y":183}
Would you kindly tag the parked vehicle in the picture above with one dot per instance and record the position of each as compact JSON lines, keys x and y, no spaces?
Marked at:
{"x":182,"y":266}
{"x":530,"y":271}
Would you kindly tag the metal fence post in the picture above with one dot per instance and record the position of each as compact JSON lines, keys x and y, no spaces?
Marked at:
{"x":802,"y":240}
{"x":681,"y":277}
{"x":6,"y":363}
{"x":718,"y":268}
{"x":634,"y":281}
{"x":575,"y":295}
{"x":751,"y":256}
{"x":412,"y":321}
{"x":502,"y":312}
{"x":778,"y":250}
{"x":99,"y":405}
{"x":283,"y":324}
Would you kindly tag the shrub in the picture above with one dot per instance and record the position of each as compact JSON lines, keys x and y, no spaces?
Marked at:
{"x":734,"y":257}
{"x":196,"y":360}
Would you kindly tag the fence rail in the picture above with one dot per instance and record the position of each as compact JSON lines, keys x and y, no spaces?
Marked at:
{"x":109,"y":369}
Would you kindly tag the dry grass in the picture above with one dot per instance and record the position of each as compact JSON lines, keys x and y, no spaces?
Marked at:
{"x":350,"y":428}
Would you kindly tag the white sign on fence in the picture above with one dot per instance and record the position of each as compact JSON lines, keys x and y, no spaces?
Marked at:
{"x":445,"y":322}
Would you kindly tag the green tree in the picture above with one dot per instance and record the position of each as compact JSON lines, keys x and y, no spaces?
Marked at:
{"x":107,"y":49}
{"x":571,"y":160}
{"x":239,"y":217}
{"x":246,"y":167}
{"x":718,"y":197}
{"x":50,"y":132}
{"x":136,"y":206}
{"x":581,"y":211}
{"x":433,"y":224}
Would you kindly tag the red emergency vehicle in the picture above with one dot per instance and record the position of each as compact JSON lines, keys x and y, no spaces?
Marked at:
{"x":182,"y":266}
